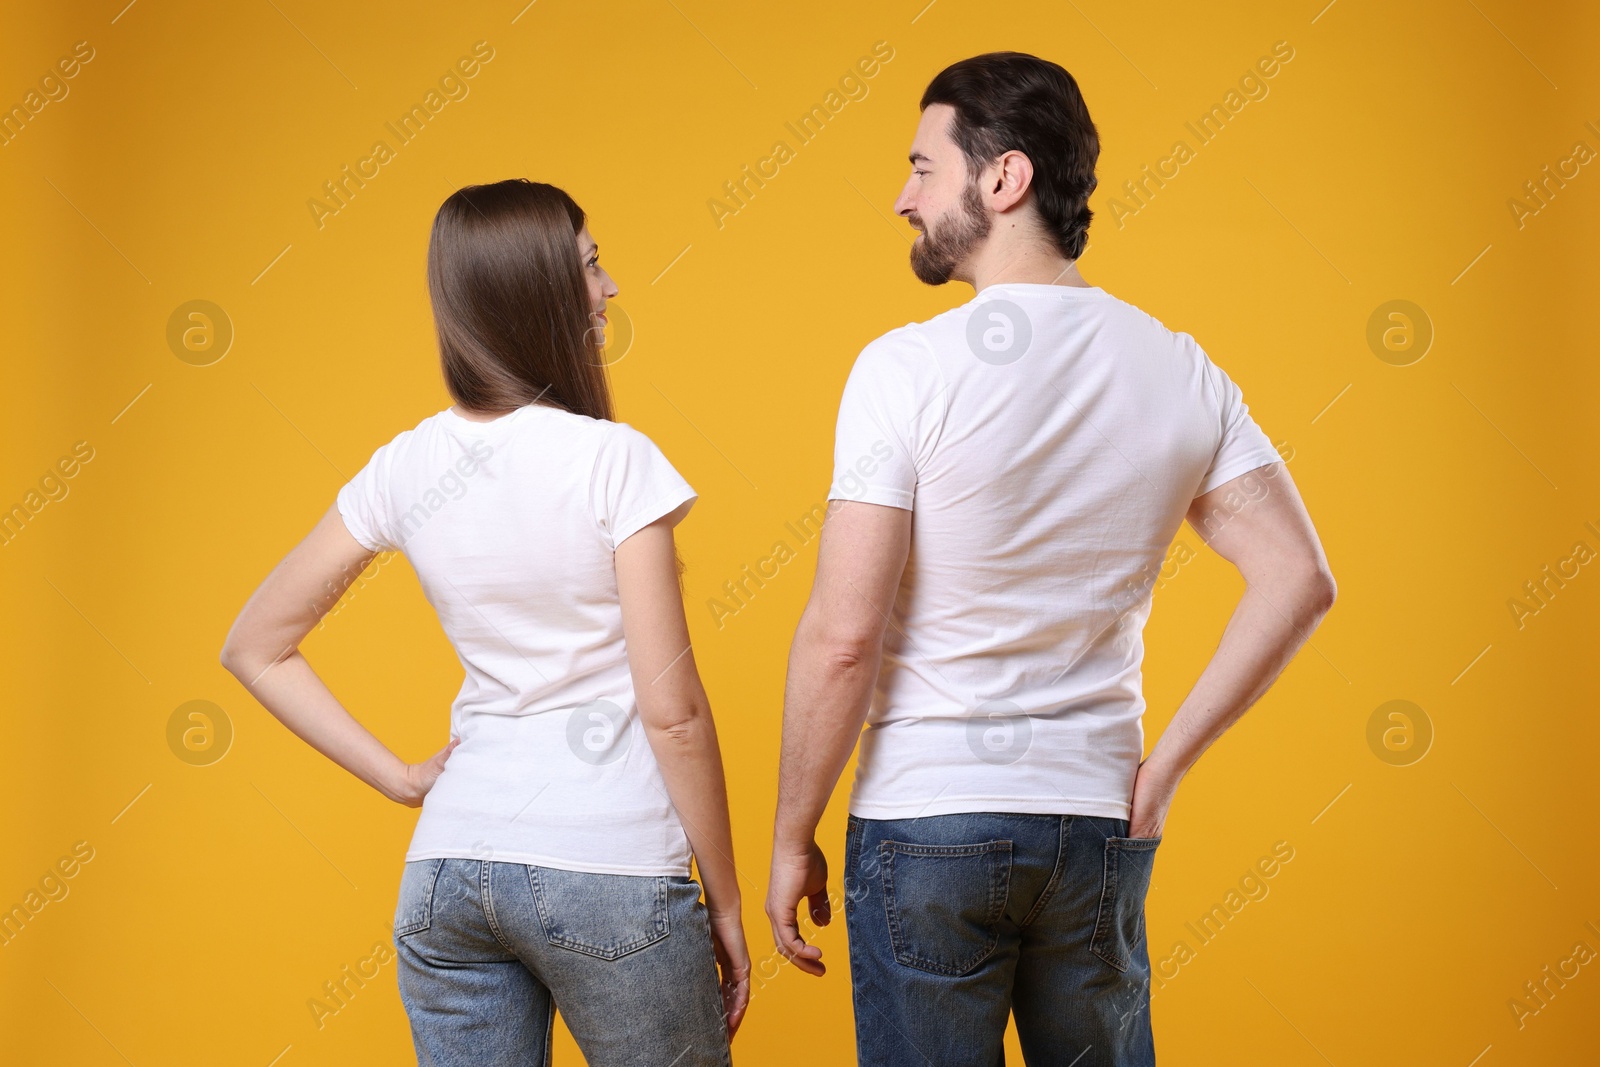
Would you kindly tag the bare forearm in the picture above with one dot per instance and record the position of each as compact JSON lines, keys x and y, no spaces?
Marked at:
{"x":293,"y":692}
{"x":1266,"y":630}
{"x":826,"y":700}
{"x":691,"y":766}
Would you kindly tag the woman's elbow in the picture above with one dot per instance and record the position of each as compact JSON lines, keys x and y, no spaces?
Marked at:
{"x":246,"y":662}
{"x":680,"y":725}
{"x":230,"y":658}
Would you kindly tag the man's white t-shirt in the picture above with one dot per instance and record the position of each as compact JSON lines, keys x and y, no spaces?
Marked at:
{"x":510,"y":526}
{"x":1048,"y":440}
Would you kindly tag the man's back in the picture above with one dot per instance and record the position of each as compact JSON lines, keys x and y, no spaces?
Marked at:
{"x":1007,"y":477}
{"x":1048,"y":440}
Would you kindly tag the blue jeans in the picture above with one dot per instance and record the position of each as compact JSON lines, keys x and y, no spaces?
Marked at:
{"x":957,"y":921}
{"x":489,"y":950}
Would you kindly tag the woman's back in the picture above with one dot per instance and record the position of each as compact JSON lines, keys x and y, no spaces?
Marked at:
{"x":511,"y":526}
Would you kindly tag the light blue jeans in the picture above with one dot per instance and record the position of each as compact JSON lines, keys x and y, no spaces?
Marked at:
{"x":489,"y":951}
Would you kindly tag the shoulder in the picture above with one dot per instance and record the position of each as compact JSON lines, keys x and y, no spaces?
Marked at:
{"x":624,"y":451}
{"x":623,"y":437}
{"x":1136,"y":317}
{"x":402,"y":440}
{"x":902,"y":351}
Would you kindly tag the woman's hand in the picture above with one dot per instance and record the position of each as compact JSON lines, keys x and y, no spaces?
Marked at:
{"x":419,"y":777}
{"x":733,"y":961}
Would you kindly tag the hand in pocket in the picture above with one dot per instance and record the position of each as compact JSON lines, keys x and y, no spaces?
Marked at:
{"x":1153,"y":790}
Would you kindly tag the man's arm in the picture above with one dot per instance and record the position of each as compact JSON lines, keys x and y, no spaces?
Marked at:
{"x":833,"y":666}
{"x":1288,"y":589}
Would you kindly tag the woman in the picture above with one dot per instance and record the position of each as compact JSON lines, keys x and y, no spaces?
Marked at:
{"x":550,"y":864}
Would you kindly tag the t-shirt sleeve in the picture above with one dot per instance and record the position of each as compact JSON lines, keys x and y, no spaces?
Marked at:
{"x":1242,"y":446}
{"x":889,"y":420}
{"x":634,"y":484}
{"x":363,"y":504}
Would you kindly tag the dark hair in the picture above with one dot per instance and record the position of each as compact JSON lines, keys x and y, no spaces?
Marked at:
{"x":510,"y":303}
{"x":1011,"y":100}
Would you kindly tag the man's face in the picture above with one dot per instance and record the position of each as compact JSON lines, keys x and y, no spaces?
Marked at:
{"x":941,"y":202}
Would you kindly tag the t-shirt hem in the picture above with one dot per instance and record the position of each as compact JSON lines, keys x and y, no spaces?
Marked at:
{"x":354,"y":528}
{"x":539,"y":860}
{"x":1233,"y":470}
{"x":894,"y":498}
{"x":1054,"y":805}
{"x":661,"y":505}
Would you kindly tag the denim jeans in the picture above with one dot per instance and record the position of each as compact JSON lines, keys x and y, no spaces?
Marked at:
{"x":957,"y":921}
{"x":490,"y":950}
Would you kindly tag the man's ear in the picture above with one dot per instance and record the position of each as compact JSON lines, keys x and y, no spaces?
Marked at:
{"x":1012,"y":177}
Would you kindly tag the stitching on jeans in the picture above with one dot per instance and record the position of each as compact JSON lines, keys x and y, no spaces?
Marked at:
{"x":886,"y":853}
{"x":419,"y":925}
{"x":910,"y":849}
{"x":852,"y":857}
{"x":1106,"y":916}
{"x":1063,"y":834}
{"x":661,"y":926}
{"x":487,"y":898}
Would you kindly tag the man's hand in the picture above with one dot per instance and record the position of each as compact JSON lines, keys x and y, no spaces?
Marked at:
{"x":798,"y":873}
{"x":1153,"y":790}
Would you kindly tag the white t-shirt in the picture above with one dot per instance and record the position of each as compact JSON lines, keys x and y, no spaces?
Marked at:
{"x":1048,"y":440}
{"x":510,"y":526}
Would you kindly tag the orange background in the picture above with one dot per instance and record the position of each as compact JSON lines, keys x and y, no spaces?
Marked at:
{"x":1422,"y":893}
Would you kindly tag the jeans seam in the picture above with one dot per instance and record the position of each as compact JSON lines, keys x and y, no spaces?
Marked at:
{"x":1105,"y":917}
{"x":427,"y":914}
{"x":1063,"y":833}
{"x":852,"y":853}
{"x":487,"y":896}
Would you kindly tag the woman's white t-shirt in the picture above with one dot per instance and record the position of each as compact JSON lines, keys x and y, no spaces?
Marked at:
{"x":511,"y":526}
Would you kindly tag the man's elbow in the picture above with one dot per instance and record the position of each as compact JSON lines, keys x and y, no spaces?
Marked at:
{"x":1308,"y":586}
{"x":840,"y":646}
{"x":843,"y":653}
{"x":1331,"y":592}
{"x":1319,"y":590}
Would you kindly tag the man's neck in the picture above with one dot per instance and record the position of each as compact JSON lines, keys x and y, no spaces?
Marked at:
{"x":1030,"y":264}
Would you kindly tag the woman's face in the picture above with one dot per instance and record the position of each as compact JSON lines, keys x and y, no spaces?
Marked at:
{"x":601,"y":287}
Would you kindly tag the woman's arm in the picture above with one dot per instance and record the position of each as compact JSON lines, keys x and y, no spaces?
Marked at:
{"x":262,"y":650}
{"x":673,"y":704}
{"x":677,"y":720}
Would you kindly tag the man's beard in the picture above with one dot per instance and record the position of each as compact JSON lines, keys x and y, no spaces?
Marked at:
{"x":940,"y":252}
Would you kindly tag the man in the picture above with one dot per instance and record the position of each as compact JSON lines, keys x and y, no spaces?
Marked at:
{"x":1008,"y":478}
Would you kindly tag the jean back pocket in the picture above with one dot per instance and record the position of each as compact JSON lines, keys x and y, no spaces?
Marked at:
{"x":601,"y":915}
{"x":1119,"y":925}
{"x":944,"y":902}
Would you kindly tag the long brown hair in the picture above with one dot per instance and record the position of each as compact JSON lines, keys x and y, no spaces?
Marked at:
{"x":510,"y":302}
